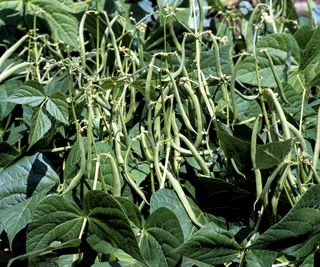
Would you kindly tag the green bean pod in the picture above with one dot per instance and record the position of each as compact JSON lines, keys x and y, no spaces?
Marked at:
{"x":257,"y":172}
{"x":11,"y":50}
{"x":276,"y":77}
{"x":198,"y":113}
{"x":232,"y":88}
{"x":180,"y":105}
{"x":128,"y":177}
{"x":178,"y":189}
{"x":182,"y":61}
{"x":115,"y":176}
{"x":195,"y":153}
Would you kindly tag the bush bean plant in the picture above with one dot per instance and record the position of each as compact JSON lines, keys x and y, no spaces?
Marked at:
{"x":163,"y":133}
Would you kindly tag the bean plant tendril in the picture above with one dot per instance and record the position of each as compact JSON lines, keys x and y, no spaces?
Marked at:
{"x":159,"y":133}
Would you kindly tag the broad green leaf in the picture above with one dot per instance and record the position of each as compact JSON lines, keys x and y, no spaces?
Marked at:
{"x":235,"y":148}
{"x":247,"y":109}
{"x":281,"y":48}
{"x":139,"y":171}
{"x":7,"y":89}
{"x":312,"y":49}
{"x":107,"y":220}
{"x":104,"y":247}
{"x":30,"y":93}
{"x":208,"y":63}
{"x":311,"y":72}
{"x":54,"y":221}
{"x":298,"y":233}
{"x":152,"y":251}
{"x":16,"y":133}
{"x":279,"y":45}
{"x":56,"y":245}
{"x":131,"y":211}
{"x":14,"y":219}
{"x":11,"y":4}
{"x":73,"y":160}
{"x":40,"y":125}
{"x":260,"y":258}
{"x":135,"y":131}
{"x":295,"y":102}
{"x":272,"y":154}
{"x":303,"y":35}
{"x":63,"y":25}
{"x":168,"y":199}
{"x":164,"y":226}
{"x":105,"y":165}
{"x":100,"y":246}
{"x":30,"y":175}
{"x":210,"y":246}
{"x":187,"y":262}
{"x":309,"y":261}
{"x":57,"y":107}
{"x":74,"y":7}
{"x":59,"y":84}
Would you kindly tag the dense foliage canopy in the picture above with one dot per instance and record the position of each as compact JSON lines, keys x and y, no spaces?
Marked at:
{"x":163,"y":133}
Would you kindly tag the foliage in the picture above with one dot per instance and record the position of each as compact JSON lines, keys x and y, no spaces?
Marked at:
{"x":171,"y":133}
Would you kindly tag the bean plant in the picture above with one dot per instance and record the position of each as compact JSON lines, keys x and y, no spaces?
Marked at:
{"x":163,"y":133}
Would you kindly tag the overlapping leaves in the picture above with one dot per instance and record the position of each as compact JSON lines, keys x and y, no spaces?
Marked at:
{"x":63,"y":25}
{"x":32,"y":93}
{"x":298,"y":233}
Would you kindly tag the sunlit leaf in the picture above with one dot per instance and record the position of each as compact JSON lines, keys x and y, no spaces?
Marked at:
{"x":57,"y":107}
{"x":40,"y":125}
{"x":211,"y":247}
{"x":30,"y":93}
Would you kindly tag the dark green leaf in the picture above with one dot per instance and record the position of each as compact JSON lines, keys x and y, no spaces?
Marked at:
{"x":131,"y":210}
{"x":260,"y":258}
{"x":247,"y":109}
{"x":16,"y":133}
{"x":312,"y":49}
{"x":57,"y":245}
{"x":298,"y":233}
{"x":6,"y":90}
{"x":40,"y":125}
{"x":104,"y":247}
{"x":139,"y":171}
{"x":309,"y":261}
{"x":107,"y":220}
{"x":57,"y":107}
{"x":210,"y":246}
{"x":235,"y":148}
{"x":272,"y":154}
{"x":208,"y":64}
{"x":164,"y":226}
{"x":303,"y":35}
{"x":152,"y":251}
{"x":100,"y":246}
{"x":168,"y":199}
{"x":59,"y":84}
{"x":54,"y":221}
{"x":7,"y":154}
